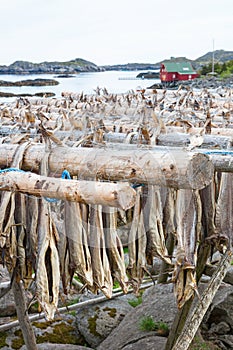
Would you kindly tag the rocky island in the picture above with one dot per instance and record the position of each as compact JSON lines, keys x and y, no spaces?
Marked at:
{"x":30,"y":82}
{"x":70,"y":67}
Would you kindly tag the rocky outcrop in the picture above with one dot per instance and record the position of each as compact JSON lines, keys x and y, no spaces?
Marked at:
{"x":218,"y":322}
{"x":71,"y":67}
{"x":115,"y":324}
{"x":148,"y":75}
{"x":158,"y":303}
{"x":199,"y":83}
{"x":30,"y":82}
{"x":49,"y":346}
{"x":62,"y":330}
{"x":96,"y":322}
{"x":37,"y":94}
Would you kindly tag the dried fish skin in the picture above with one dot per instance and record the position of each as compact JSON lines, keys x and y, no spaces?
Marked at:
{"x":169,"y":208}
{"x":184,"y":280}
{"x":78,"y":249}
{"x":188,"y":215}
{"x":100,"y":264}
{"x":153,"y":222}
{"x":114,"y":247}
{"x":208,"y":203}
{"x":137,"y":247}
{"x":8,"y":241}
{"x":32,"y":215}
{"x":224,"y":213}
{"x":7,"y":208}
{"x":47,"y":268}
{"x":25,"y":268}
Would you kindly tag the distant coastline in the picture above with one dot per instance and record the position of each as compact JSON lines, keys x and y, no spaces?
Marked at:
{"x":79,"y":65}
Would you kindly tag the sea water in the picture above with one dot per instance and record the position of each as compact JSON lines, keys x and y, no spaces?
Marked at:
{"x":113,"y":81}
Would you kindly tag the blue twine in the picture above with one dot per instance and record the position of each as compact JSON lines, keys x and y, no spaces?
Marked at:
{"x":65,"y":175}
{"x":137,"y":185}
{"x":11,"y":169}
{"x":223,"y":152}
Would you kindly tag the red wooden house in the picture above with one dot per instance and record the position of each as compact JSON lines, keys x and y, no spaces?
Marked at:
{"x":176,"y":71}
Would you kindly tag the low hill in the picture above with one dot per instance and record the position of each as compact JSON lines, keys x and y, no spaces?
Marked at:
{"x":70,"y":67}
{"x":80,"y":65}
{"x":220,"y":56}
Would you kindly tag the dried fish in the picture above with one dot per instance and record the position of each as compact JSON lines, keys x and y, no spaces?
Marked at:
{"x":188,"y":217}
{"x":25,"y":267}
{"x":8,"y":241}
{"x":169,"y":210}
{"x":224,"y":213}
{"x":100,"y":264}
{"x":137,"y":246}
{"x":114,"y":247}
{"x":78,"y":250}
{"x":153,"y":221}
{"x":47,"y":267}
{"x":32,"y":213}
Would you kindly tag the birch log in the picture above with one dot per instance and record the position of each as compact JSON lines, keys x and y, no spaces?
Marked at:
{"x":120,"y":195}
{"x":176,"y":168}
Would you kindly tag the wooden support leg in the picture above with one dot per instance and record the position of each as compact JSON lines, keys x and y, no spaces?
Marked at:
{"x":21,"y":309}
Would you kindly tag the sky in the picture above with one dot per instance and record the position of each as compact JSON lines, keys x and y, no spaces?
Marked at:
{"x":109,"y":32}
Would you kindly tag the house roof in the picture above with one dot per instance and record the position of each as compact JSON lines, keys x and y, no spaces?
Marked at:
{"x":180,"y":67}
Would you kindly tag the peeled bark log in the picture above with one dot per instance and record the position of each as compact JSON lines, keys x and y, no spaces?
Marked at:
{"x":220,"y":131}
{"x":196,"y":316}
{"x":21,"y":309}
{"x":91,"y":192}
{"x":176,"y":168}
{"x":174,"y":139}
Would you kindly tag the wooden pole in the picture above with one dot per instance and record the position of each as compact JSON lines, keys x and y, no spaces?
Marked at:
{"x":182,"y":314}
{"x":195,"y":318}
{"x":120,"y":195}
{"x":175,"y":139}
{"x":21,"y":309}
{"x":222,"y":162}
{"x":175,"y":168}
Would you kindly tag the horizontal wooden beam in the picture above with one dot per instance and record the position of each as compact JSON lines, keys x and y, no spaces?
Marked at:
{"x":120,"y":195}
{"x":174,"y":139}
{"x":175,"y":168}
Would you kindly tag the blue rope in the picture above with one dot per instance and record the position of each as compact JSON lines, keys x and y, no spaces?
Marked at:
{"x":11,"y":169}
{"x":137,"y":185}
{"x":65,"y":175}
{"x":222,"y":152}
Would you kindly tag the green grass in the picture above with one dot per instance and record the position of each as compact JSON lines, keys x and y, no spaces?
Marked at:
{"x":72,"y":302}
{"x":116,"y":285}
{"x":135,"y":302}
{"x":148,"y":324}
